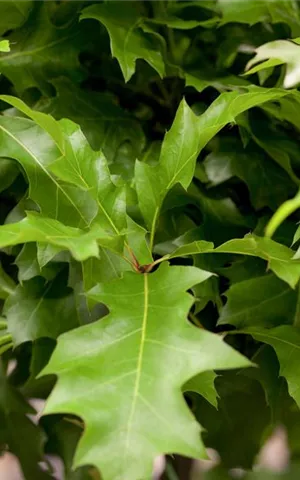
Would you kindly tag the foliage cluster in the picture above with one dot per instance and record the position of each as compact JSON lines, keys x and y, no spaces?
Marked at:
{"x":149,"y":280}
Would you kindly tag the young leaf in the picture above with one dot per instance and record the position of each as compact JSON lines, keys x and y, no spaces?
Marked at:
{"x":182,"y":144}
{"x":278,"y":53}
{"x":145,"y":332}
{"x":279,"y":257}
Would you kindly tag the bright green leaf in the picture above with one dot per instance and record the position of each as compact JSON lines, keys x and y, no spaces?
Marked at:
{"x":4,"y":46}
{"x":35,"y":228}
{"x":184,"y":141}
{"x":147,"y":331}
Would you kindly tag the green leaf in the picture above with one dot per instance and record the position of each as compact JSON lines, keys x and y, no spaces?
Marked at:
{"x":4,"y":46}
{"x":35,"y":228}
{"x":204,"y":384}
{"x":200,"y":82}
{"x":41,"y":50}
{"x":128,"y":41}
{"x":268,"y":184}
{"x":235,"y":436}
{"x":253,"y":11}
{"x":70,"y":165}
{"x":104,"y":269}
{"x":55,"y":198}
{"x":265,"y":301}
{"x":279,"y":257}
{"x":248,"y":12}
{"x":286,"y":209}
{"x":278,"y":53}
{"x":38,"y":309}
{"x":274,"y":142}
{"x":27,"y":263}
{"x":183,"y":143}
{"x":16,"y":425}
{"x":104,"y":123}
{"x":7,"y":285}
{"x":13,"y":14}
{"x":29,"y":266}
{"x":8,"y":172}
{"x":285,"y":339}
{"x":286,"y":109}
{"x":147,"y":331}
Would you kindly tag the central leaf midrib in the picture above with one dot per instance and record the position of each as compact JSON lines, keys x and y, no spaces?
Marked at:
{"x":139,"y":366}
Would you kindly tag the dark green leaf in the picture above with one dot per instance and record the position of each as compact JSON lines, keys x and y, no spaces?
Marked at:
{"x":285,"y":340}
{"x":38,"y":309}
{"x":264,"y":301}
{"x":40,"y":50}
{"x":128,"y":41}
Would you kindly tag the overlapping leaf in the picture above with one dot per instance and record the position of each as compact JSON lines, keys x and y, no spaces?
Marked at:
{"x":64,"y":185}
{"x":264,"y":301}
{"x":183,"y":143}
{"x":32,"y":309}
{"x":285,"y":340}
{"x":106,"y":126}
{"x":35,"y":228}
{"x":14,"y":14}
{"x":41,"y":50}
{"x":128,"y":41}
{"x":277,"y":53}
{"x":16,"y":425}
{"x":279,"y":257}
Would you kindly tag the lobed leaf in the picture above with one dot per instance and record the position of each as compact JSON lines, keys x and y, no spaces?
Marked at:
{"x":145,"y":332}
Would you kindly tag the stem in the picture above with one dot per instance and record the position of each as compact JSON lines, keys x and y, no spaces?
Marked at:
{"x":153,"y":228}
{"x":159,"y":260}
{"x":296,"y":322}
